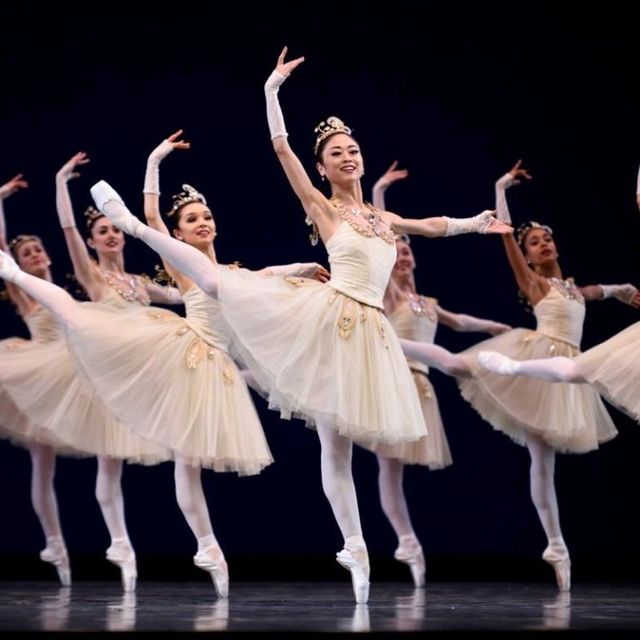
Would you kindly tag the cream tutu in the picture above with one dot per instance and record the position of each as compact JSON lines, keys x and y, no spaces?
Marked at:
{"x":419,"y":321}
{"x":18,"y":357}
{"x":171,"y":381}
{"x":570,"y":418}
{"x":48,"y":388}
{"x":613,"y":367}
{"x":325,"y":352}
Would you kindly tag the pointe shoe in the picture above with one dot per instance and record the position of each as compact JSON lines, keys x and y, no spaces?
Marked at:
{"x":56,"y":554}
{"x":561,"y":563}
{"x":356,"y":560}
{"x":498,"y":363}
{"x":9,"y":270}
{"x":103,"y":193}
{"x":122,"y":555}
{"x":410,"y":552}
{"x":212,"y":560}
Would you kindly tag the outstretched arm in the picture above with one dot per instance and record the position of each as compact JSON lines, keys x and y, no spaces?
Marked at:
{"x":6,"y":190}
{"x":528,"y":281}
{"x":438,"y":227}
{"x":153,"y":216}
{"x":83,"y":265}
{"x":626,"y":293}
{"x":311,"y":270}
{"x":313,"y":201}
{"x":464,"y":322}
{"x":17,"y":295}
{"x":391,"y":175}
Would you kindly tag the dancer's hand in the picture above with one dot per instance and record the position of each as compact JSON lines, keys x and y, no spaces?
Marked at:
{"x":9,"y":188}
{"x":285,"y":68}
{"x":314,"y":271}
{"x":496,"y":328}
{"x":391,"y":175}
{"x":486,"y":222}
{"x":68,"y":170}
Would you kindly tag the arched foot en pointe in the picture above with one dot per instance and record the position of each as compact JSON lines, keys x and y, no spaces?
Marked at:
{"x":103,"y":194}
{"x":410,"y":552}
{"x":56,"y":554}
{"x":212,"y":560}
{"x":561,"y":562}
{"x":356,"y":559}
{"x":121,"y":554}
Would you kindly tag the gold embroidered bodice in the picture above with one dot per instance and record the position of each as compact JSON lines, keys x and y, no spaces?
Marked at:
{"x":42,"y":325}
{"x":560,"y":314}
{"x":416,"y":323}
{"x":360,"y":264}
{"x":130,"y":288}
{"x":204,"y":316}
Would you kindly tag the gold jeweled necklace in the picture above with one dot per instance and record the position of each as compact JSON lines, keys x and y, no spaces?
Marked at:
{"x":127,"y":286}
{"x":366,"y":222}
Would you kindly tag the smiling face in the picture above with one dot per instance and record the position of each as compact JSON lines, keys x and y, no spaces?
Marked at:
{"x":195,"y":225}
{"x":32,"y":258}
{"x":405,"y":262}
{"x":539,"y":248}
{"x":106,"y":239}
{"x":340,"y":159}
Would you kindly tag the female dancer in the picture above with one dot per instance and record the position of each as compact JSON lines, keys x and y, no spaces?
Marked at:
{"x":18,"y":357}
{"x":414,"y":317}
{"x":173,"y":382}
{"x":321,"y":352}
{"x":167,"y":378}
{"x":545,"y":418}
{"x":65,"y":404}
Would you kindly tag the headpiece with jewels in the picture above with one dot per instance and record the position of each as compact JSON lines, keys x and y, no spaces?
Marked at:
{"x":525,"y":227}
{"x":328,"y":128}
{"x":91,"y":214}
{"x":187,"y":195}
{"x":19,"y":240}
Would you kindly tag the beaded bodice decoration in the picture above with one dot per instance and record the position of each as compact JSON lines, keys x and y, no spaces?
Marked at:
{"x":560,"y":314}
{"x":367,"y":222}
{"x":129,"y":287}
{"x":421,"y":306}
{"x":567,"y":288}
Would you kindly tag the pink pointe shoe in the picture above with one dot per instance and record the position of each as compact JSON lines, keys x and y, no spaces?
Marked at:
{"x":121,"y":554}
{"x":355,"y":558}
{"x":212,"y":560}
{"x":56,"y":553}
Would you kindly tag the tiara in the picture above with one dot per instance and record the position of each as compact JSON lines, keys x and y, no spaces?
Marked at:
{"x":525,"y":227}
{"x":328,"y":128}
{"x":187,"y":195}
{"x":19,"y":240}
{"x":91,"y":214}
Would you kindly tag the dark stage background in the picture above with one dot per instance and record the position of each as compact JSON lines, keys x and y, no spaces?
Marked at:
{"x":456,"y":93}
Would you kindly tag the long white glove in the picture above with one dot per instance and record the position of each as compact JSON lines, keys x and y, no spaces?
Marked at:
{"x":274,"y":112}
{"x":476,"y":224}
{"x":152,"y":174}
{"x":623,"y":292}
{"x":502,"y":208}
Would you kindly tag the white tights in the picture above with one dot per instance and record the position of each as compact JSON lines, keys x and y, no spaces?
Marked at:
{"x":337,"y":479}
{"x":434,"y":356}
{"x":192,"y":502}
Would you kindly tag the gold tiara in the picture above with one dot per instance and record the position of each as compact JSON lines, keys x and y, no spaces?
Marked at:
{"x":328,"y":128}
{"x":525,"y":227}
{"x":91,"y":214}
{"x":19,"y":240}
{"x":187,"y":195}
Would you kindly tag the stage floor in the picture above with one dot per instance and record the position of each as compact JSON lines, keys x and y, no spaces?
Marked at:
{"x":305,"y":607}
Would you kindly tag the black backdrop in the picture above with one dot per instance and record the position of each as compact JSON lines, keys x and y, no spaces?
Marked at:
{"x":456,"y":94}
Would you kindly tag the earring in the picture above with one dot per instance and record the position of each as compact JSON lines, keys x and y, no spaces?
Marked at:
{"x":322,"y":178}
